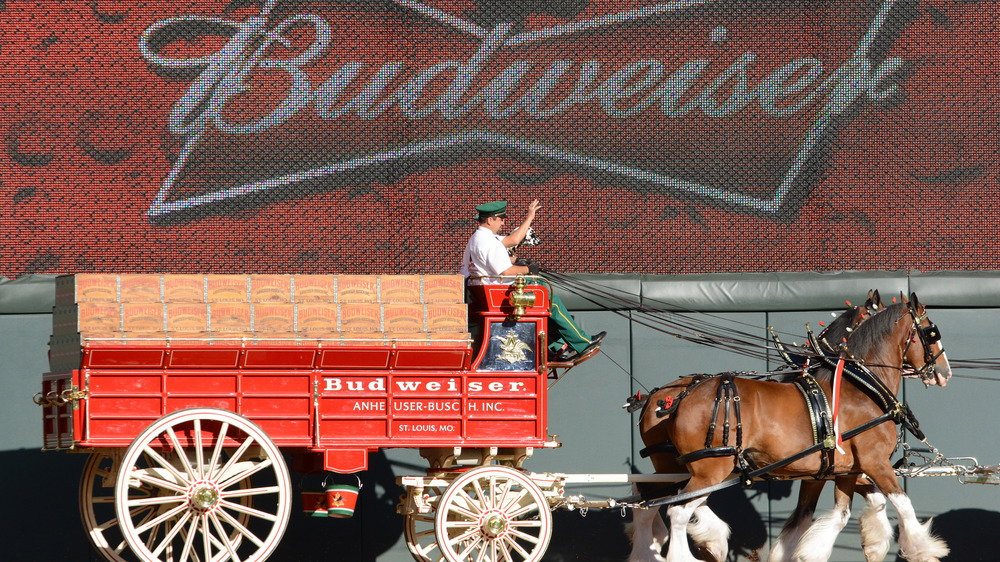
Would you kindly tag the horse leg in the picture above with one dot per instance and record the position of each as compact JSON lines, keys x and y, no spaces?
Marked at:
{"x":680,"y":516}
{"x":916,"y":543}
{"x":798,"y":521}
{"x":817,"y":541}
{"x":876,"y":531}
{"x":649,"y":534}
{"x":710,"y":533}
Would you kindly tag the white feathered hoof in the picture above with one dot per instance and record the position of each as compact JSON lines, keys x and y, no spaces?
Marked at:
{"x":923,"y":546}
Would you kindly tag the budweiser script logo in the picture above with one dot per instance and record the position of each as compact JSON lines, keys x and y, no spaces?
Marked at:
{"x":725,"y":102}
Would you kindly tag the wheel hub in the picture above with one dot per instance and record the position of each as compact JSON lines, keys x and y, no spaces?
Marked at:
{"x":203,"y":496}
{"x":493,"y":525}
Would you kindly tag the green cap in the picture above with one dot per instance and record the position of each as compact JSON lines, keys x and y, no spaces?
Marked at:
{"x":491,"y":209}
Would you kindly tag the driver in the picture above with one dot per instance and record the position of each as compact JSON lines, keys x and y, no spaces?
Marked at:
{"x":486,"y":260}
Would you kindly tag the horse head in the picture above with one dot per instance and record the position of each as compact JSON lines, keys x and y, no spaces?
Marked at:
{"x":924,"y":355}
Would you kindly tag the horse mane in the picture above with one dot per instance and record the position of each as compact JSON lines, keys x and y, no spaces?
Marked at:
{"x":867,"y":335}
{"x":871,"y":332}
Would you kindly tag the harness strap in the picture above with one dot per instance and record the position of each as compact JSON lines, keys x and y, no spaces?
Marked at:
{"x":686,"y":496}
{"x":665,"y":447}
{"x":707,"y":452}
{"x":665,"y":409}
{"x":818,"y":407}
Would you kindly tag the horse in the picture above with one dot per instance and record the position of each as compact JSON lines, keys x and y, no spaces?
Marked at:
{"x":881,"y":345}
{"x":648,"y":532}
{"x":774,"y":423}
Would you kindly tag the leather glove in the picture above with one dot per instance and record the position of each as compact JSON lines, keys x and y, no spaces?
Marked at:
{"x":531,"y":264}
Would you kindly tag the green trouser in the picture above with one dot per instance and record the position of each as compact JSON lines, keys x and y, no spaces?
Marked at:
{"x":562,"y":329}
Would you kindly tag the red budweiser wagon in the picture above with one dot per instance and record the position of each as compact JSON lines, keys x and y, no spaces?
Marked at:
{"x":188,"y":432}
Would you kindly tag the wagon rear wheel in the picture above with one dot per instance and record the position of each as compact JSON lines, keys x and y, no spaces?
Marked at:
{"x":493,"y":513}
{"x":196,"y":471}
{"x":97,"y":510}
{"x":419,"y":529}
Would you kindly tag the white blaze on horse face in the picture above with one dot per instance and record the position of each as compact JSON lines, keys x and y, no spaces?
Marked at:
{"x":942,"y":370}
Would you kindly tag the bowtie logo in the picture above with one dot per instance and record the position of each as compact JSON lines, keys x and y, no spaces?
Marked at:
{"x":737,"y":107}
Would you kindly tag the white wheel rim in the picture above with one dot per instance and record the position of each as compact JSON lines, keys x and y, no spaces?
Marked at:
{"x":97,"y":511}
{"x":199,"y":487}
{"x":493,"y":514}
{"x":419,"y":531}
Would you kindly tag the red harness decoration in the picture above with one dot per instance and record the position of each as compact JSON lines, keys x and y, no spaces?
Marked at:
{"x":838,"y":375}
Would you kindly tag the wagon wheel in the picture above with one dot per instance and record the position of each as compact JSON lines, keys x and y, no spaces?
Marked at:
{"x":493,"y":513}
{"x":418,"y":530}
{"x":97,"y":510}
{"x":192,"y":466}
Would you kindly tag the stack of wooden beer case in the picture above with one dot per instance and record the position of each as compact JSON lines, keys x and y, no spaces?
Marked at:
{"x":181,"y":309}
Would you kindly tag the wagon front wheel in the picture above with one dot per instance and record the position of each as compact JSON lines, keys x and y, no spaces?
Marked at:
{"x":492,"y":514}
{"x":194,"y":466}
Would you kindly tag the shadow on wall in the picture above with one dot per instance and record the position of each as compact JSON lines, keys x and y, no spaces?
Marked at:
{"x":970,"y":533}
{"x":43,"y":520}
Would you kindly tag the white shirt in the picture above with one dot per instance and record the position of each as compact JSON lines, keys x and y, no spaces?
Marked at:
{"x":484,"y":256}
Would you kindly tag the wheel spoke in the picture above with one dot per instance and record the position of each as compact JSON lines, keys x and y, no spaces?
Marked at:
{"x":502,"y":504}
{"x":472,"y":504}
{"x":472,"y":546}
{"x":172,"y":533}
{"x":463,"y":537}
{"x":254,"y":468}
{"x":155,"y":456}
{"x":206,"y":537}
{"x":239,"y":527}
{"x":515,"y":500}
{"x":163,"y":517}
{"x":109,"y":524}
{"x":155,"y":500}
{"x":224,"y":537}
{"x":143,"y":476}
{"x":524,"y":536}
{"x":217,"y":451}
{"x":233,"y":459}
{"x":250,"y":492}
{"x":482,"y":551}
{"x":247,"y":510}
{"x":181,"y":453}
{"x":199,"y":455}
{"x":531,"y":507}
{"x":514,"y":545}
{"x":506,"y":554}
{"x":486,"y":500}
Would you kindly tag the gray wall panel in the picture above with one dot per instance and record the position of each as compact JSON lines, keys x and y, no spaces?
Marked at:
{"x":24,"y":344}
{"x":585,"y":410}
{"x":957,"y":288}
{"x":959,"y":419}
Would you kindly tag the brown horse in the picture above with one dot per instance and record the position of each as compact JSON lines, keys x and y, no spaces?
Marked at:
{"x":648,"y":531}
{"x":776,"y":426}
{"x":768,"y":396}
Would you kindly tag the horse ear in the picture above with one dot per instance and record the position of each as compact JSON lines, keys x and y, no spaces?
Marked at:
{"x":913,"y":299}
{"x":902,"y":297}
{"x":876,"y":299}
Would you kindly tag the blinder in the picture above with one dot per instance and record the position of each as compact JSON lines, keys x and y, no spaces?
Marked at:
{"x":930,"y":334}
